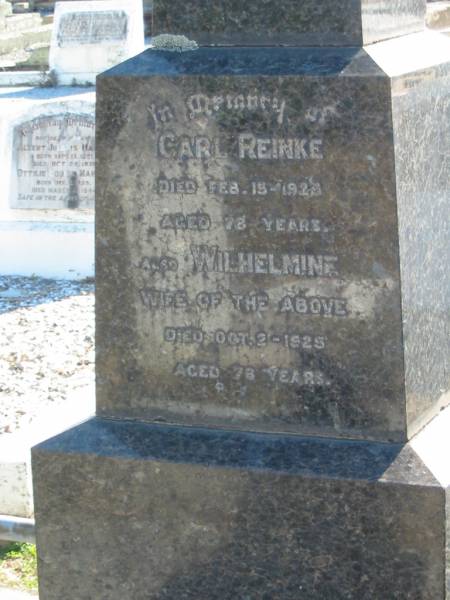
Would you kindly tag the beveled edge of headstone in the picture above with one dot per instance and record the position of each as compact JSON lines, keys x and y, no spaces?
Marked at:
{"x":310,"y":457}
{"x":251,"y":61}
{"x":288,"y":22}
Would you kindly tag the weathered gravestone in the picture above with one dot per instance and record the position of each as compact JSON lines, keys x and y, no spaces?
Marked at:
{"x":54,"y":162}
{"x":92,"y":36}
{"x":47,"y":170}
{"x":147,"y":6}
{"x":272,"y":317}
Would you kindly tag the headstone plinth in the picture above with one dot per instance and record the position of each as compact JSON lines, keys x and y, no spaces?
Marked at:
{"x":214,"y":515}
{"x":272,"y":320}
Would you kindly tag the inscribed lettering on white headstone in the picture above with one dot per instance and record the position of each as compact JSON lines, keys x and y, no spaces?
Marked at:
{"x":92,"y":27}
{"x":90,"y":37}
{"x":54,"y":162}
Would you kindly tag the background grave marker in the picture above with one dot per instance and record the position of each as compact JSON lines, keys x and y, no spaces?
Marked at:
{"x":92,"y":36}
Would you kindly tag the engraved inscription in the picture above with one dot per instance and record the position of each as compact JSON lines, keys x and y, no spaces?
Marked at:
{"x":247,"y":146}
{"x":54,"y":162}
{"x":249,"y":227}
{"x":260,"y":339}
{"x":308,"y":188}
{"x":92,"y":27}
{"x":277,"y":224}
{"x":202,"y":105}
{"x":193,"y":222}
{"x":176,"y":186}
{"x":153,"y":298}
{"x":301,"y":305}
{"x":210,"y":259}
{"x":241,"y":282}
{"x":259,"y":148}
{"x":251,"y":374}
{"x":158,"y":264}
{"x":252,"y":302}
{"x":160,"y":114}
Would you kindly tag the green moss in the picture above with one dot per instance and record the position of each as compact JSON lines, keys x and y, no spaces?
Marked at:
{"x":18,"y":566}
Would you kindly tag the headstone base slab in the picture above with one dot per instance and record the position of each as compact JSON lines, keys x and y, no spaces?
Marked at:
{"x":128,"y":510}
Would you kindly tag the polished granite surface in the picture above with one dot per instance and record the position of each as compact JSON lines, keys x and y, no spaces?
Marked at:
{"x":288,"y":22}
{"x":247,"y":361}
{"x":145,"y":512}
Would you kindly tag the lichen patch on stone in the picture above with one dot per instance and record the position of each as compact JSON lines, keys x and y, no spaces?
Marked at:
{"x":173,"y":43}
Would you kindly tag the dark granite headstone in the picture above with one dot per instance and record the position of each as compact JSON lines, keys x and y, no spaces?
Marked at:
{"x":289,"y":22}
{"x":259,"y":260}
{"x":272,"y":259}
{"x":142,"y":512}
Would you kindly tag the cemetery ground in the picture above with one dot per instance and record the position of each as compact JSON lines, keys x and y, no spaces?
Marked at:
{"x":46,"y":365}
{"x":47,"y":332}
{"x":18,"y":568}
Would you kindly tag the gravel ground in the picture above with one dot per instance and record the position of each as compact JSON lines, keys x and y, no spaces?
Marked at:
{"x":47,"y":349}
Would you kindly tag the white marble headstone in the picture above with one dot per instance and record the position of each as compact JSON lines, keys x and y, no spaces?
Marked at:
{"x":92,"y":36}
{"x":47,"y":163}
{"x":54,"y":162}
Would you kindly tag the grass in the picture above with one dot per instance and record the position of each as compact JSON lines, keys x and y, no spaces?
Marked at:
{"x":18,"y":566}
